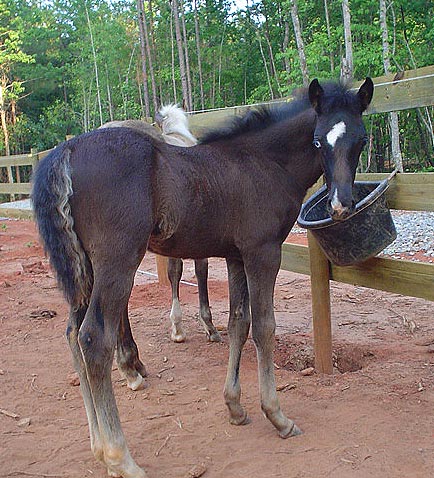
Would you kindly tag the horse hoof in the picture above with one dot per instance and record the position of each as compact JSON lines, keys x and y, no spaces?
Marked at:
{"x":215,"y":337}
{"x":138,"y":384}
{"x":178,"y":338}
{"x":293,"y":432}
{"x":139,"y":473}
{"x":113,"y":474}
{"x":244,"y":420}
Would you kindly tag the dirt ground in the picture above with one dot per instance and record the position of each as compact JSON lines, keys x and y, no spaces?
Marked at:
{"x":373,"y":417}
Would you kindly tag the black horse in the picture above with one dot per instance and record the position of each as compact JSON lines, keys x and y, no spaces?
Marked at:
{"x":102,"y":199}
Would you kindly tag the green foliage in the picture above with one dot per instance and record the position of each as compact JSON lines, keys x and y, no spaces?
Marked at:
{"x":51,"y":70}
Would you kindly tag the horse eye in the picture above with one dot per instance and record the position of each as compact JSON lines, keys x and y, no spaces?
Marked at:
{"x":317,"y":143}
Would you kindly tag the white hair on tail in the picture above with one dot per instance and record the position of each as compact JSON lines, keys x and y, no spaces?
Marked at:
{"x":175,"y":121}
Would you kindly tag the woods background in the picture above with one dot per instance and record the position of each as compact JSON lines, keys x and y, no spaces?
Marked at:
{"x":67,"y":66}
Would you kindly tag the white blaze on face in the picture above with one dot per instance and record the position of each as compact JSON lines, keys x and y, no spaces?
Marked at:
{"x":336,"y":204}
{"x":335,"y":133}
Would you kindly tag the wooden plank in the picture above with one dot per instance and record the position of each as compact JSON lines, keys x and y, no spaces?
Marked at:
{"x":295,"y":258}
{"x":405,"y":178}
{"x":22,"y":159}
{"x":414,"y":90}
{"x":414,"y":73}
{"x":414,"y":279}
{"x":42,"y":154}
{"x":407,"y":191}
{"x":15,"y":188}
{"x":321,"y":312}
{"x":18,"y":160}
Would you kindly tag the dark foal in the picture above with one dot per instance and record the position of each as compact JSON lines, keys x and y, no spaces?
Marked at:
{"x":102,"y":199}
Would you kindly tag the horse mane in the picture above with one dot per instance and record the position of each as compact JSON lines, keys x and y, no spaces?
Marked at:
{"x":260,"y":118}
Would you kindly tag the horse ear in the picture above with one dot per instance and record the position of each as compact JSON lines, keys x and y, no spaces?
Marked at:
{"x":365,"y":93}
{"x":315,"y":94}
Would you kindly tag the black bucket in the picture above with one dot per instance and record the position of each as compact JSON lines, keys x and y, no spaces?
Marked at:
{"x":365,"y":233}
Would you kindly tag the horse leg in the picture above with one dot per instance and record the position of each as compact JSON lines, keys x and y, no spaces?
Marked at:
{"x":174,"y":271}
{"x":76,"y":317}
{"x":261,"y":271}
{"x":97,"y":339}
{"x":127,"y":356}
{"x":238,"y":331}
{"x":201,"y":269}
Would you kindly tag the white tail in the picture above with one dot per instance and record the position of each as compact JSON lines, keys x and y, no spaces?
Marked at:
{"x":173,"y":121}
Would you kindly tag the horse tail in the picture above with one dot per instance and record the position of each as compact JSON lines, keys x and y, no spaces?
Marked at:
{"x":52,"y":188}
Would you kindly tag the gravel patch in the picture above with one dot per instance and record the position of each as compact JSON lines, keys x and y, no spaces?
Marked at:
{"x":415,"y":233}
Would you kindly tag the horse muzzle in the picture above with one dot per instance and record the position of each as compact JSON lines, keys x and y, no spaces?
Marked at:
{"x":338,"y":209}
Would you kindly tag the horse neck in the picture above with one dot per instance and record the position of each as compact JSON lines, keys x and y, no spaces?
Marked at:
{"x":290,"y":143}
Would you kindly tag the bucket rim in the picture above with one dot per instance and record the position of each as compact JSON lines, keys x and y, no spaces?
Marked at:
{"x":317,"y":197}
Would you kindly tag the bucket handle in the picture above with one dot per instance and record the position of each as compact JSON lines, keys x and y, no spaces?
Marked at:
{"x":392,"y":175}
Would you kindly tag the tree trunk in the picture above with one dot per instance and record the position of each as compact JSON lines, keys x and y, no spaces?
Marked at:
{"x":300,"y":43}
{"x":393,"y":117}
{"x":270,"y":85}
{"x":172,"y":47}
{"x":220,"y":62}
{"x":273,"y":69}
{"x":150,"y":62}
{"x":142,"y":35}
{"x":284,"y":48}
{"x":95,"y":64}
{"x":184,"y":84}
{"x":154,"y":53}
{"x":272,"y":63}
{"x":187,"y":59}
{"x":329,"y":35}
{"x":347,"y":69}
{"x":109,"y":96}
{"x":199,"y":58}
{"x":3,"y":118}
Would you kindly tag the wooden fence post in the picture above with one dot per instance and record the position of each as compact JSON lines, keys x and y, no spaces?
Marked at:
{"x":11,"y":181}
{"x":321,"y":313}
{"x":34,"y":158}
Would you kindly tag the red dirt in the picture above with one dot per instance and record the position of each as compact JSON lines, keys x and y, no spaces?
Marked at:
{"x":374,"y":419}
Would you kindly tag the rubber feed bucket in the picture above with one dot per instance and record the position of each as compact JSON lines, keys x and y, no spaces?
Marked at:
{"x":365,"y":233}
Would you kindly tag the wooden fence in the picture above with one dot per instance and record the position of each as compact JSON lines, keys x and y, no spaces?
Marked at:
{"x":15,"y":186}
{"x":406,"y":192}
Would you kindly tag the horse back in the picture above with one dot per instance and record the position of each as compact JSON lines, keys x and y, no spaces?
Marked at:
{"x":212,"y":201}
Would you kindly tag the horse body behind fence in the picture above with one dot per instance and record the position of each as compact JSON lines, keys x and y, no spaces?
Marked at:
{"x":235,"y":196}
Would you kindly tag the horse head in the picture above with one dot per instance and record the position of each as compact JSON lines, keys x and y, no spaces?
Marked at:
{"x":339,"y":137}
